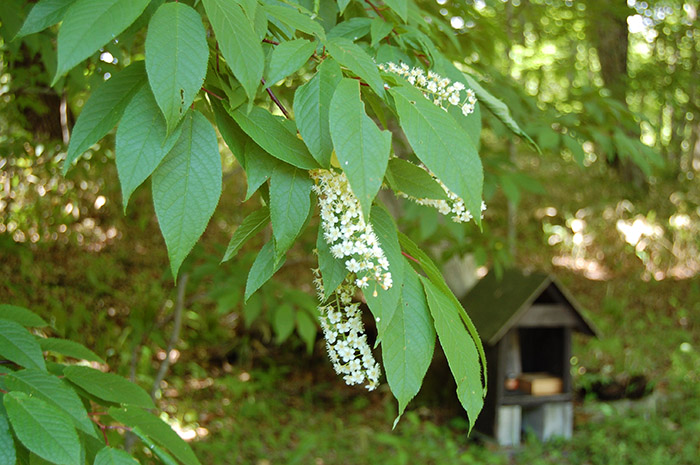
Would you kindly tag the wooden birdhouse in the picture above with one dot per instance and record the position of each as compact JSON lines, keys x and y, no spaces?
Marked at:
{"x":526,"y":322}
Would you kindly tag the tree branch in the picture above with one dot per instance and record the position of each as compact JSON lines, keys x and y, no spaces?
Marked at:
{"x":174,"y":336}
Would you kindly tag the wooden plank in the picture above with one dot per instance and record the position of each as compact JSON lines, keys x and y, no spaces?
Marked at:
{"x":549,"y":316}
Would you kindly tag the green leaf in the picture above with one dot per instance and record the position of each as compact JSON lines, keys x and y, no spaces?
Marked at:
{"x":252,"y":309}
{"x":404,"y":176}
{"x":400,"y":7}
{"x":361,"y":147}
{"x":238,"y":42}
{"x":510,"y":190}
{"x":176,"y":59}
{"x":8,"y":455}
{"x":290,"y":190}
{"x":296,"y":20}
{"x":342,"y":4}
{"x":383,"y":303}
{"x":108,"y":386}
{"x":356,"y":60}
{"x":111,"y":456}
{"x":626,"y":148}
{"x":90,"y":24}
{"x":142,"y":142}
{"x":442,"y":145}
{"x":283,"y":322}
{"x":68,"y":348}
{"x":158,"y":451}
{"x":103,"y":110}
{"x":287,"y":58}
{"x":459,"y":348}
{"x":262,"y":270}
{"x":306,"y":328}
{"x":352,"y":29}
{"x":19,"y":346}
{"x":156,"y":429}
{"x":21,"y":315}
{"x":409,"y":341}
{"x":259,"y":166}
{"x":270,"y":134}
{"x":44,"y":430}
{"x":187,"y":187}
{"x":54,"y":392}
{"x":433,"y":273}
{"x":234,"y":137}
{"x":575,"y":148}
{"x":498,"y":108}
{"x":248,"y":228}
{"x":379,"y":29}
{"x":311,"y":105}
{"x":44,"y":14}
{"x":333,"y":270}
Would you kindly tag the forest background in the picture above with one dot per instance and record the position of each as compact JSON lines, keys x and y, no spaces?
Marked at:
{"x":610,"y":204}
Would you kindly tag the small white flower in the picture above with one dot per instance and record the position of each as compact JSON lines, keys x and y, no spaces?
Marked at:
{"x":352,"y":265}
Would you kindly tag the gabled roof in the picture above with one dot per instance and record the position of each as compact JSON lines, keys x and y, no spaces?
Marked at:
{"x":495,"y":306}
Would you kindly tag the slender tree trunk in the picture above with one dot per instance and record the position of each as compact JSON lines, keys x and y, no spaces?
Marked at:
{"x":608,"y":32}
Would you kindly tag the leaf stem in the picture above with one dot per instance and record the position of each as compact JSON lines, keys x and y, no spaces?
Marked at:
{"x":212,"y":93}
{"x":270,"y":41}
{"x":410,"y":257}
{"x":376,"y":10}
{"x":276,"y":100}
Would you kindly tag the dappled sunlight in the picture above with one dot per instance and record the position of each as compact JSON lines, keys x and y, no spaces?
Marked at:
{"x":576,"y":243}
{"x":188,"y":432}
{"x":668,"y":246}
{"x":37,"y":203}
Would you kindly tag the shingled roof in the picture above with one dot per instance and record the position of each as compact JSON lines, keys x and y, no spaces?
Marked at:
{"x":495,"y":306}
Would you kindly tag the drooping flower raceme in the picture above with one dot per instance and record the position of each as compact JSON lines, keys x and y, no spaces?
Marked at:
{"x":349,"y":237}
{"x":353,"y":241}
{"x":454,"y":205}
{"x":346,"y":341}
{"x":440,"y":90}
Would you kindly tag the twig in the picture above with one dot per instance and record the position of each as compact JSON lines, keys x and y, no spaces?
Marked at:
{"x":63,"y":110}
{"x":212,"y":93}
{"x":174,"y":336}
{"x":276,"y":100}
{"x":270,"y":41}
{"x":376,"y":10}
{"x":361,"y":83}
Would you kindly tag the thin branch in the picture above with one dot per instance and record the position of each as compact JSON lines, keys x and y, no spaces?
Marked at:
{"x":212,"y":93}
{"x":376,"y":10}
{"x":361,"y":83}
{"x":174,"y":336}
{"x":276,"y":100}
{"x":63,"y":110}
{"x":270,"y":41}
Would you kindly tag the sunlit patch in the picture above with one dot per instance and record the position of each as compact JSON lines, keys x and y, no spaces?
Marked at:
{"x":186,"y":432}
{"x":100,"y":202}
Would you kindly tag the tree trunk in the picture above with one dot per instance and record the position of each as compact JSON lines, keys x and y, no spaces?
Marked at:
{"x":607,"y":23}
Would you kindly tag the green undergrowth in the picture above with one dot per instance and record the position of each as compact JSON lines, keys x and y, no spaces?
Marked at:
{"x":275,"y":416}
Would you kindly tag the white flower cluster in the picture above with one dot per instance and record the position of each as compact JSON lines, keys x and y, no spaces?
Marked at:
{"x":345,"y":336}
{"x":435,"y":87}
{"x":350,"y":238}
{"x":454,"y":205}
